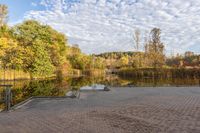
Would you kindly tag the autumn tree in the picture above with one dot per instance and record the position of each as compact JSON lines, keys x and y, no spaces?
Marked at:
{"x":155,"y":49}
{"x":45,"y":48}
{"x":124,"y":61}
{"x":99,"y":63}
{"x":11,"y":57}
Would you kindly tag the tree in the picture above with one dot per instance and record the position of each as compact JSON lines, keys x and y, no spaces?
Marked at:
{"x":3,"y":14}
{"x":55,"y":42}
{"x":80,"y":61}
{"x":99,"y":63}
{"x":11,"y":57}
{"x":155,"y":49}
{"x":137,"y":47}
{"x":42,"y":65}
{"x":136,"y":38}
{"x":45,"y":48}
{"x":74,"y":50}
{"x":124,"y":61}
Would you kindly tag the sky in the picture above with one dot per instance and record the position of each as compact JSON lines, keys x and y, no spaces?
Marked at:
{"x":99,"y":26}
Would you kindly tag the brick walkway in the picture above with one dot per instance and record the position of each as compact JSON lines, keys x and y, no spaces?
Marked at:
{"x":122,"y":110}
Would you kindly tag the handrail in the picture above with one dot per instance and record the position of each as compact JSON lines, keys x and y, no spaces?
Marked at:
{"x":7,"y":96}
{"x":6,"y":85}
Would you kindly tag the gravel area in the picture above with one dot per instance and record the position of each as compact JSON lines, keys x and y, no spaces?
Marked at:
{"x":121,"y":110}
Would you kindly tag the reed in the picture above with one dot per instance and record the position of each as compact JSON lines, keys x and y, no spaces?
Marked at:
{"x":160,"y":73}
{"x":13,"y":74}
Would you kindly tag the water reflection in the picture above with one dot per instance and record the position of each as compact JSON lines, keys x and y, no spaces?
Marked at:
{"x":72,"y":86}
{"x":94,"y":87}
{"x":75,"y":93}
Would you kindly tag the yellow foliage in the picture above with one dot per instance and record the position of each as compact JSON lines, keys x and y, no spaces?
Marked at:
{"x":6,"y":44}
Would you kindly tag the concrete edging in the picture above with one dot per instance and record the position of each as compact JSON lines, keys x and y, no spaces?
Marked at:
{"x":17,"y":106}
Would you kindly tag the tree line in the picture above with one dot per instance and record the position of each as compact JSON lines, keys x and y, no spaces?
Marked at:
{"x":152,"y":55}
{"x":149,"y":54}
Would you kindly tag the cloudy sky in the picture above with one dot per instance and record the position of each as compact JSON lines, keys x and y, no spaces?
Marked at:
{"x":107,"y":25}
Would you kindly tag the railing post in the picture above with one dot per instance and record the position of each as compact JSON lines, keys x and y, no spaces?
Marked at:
{"x":8,"y":97}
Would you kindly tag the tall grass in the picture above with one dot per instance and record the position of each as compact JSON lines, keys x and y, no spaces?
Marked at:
{"x":160,"y":73}
{"x":94,"y":72}
{"x":13,"y":74}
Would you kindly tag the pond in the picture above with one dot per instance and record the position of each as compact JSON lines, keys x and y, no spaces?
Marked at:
{"x":24,"y":89}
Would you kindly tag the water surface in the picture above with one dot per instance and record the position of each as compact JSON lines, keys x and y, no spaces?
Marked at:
{"x":25,"y":89}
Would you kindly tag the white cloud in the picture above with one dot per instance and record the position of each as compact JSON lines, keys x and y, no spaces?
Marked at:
{"x":34,"y":4}
{"x":107,"y":25}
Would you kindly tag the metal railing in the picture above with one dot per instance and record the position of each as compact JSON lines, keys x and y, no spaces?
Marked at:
{"x":6,"y":96}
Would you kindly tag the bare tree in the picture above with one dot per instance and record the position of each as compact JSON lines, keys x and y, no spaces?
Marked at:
{"x":3,"y":14}
{"x":137,"y":47}
{"x":75,"y":50}
{"x":155,"y":35}
{"x":136,"y":38}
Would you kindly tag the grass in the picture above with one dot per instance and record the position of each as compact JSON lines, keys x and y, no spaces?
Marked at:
{"x":13,"y":74}
{"x":160,"y":72}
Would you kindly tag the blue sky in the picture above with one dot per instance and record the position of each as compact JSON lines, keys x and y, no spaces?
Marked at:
{"x":18,"y":8}
{"x":108,"y":25}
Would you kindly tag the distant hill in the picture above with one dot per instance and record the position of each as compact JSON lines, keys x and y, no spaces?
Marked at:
{"x":116,"y":55}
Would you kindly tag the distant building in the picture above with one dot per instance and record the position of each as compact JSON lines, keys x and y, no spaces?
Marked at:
{"x":189,"y":54}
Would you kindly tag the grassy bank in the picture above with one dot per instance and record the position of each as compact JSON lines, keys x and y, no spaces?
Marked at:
{"x":13,"y":74}
{"x":94,"y":72}
{"x":20,"y":75}
{"x":159,"y":73}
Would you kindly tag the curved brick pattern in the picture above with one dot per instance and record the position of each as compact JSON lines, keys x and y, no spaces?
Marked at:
{"x":122,"y":110}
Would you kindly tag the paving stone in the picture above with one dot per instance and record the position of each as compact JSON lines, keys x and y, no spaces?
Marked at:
{"x":122,"y":110}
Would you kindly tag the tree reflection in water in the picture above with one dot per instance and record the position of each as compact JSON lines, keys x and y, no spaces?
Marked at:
{"x":52,"y":87}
